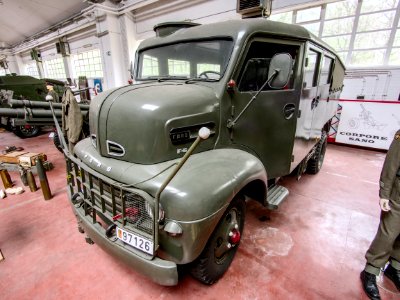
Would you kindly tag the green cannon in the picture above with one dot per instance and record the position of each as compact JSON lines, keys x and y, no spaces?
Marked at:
{"x":25,"y":87}
{"x":26,"y":117}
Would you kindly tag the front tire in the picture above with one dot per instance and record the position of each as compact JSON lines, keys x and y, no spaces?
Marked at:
{"x":57,"y":142}
{"x":222,"y":245}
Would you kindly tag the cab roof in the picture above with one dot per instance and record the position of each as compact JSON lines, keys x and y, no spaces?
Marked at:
{"x":236,"y":29}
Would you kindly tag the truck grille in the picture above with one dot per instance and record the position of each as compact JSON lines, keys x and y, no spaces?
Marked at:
{"x":111,"y":202}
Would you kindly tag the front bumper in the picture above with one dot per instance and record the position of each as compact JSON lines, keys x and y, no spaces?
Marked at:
{"x":160,"y":271}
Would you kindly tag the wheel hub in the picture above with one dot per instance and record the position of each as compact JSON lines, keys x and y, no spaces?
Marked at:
{"x":229,"y":236}
{"x":234,"y":236}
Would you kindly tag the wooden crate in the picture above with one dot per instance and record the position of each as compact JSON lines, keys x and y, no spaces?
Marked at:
{"x":13,"y":157}
{"x":28,"y":159}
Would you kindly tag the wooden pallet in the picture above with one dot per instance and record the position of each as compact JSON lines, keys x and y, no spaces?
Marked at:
{"x":13,"y":157}
{"x":23,"y":158}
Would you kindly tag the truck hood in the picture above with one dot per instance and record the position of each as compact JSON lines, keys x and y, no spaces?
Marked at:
{"x":149,"y":123}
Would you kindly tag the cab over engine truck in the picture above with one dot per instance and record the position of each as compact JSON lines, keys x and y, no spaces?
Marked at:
{"x":151,"y":190}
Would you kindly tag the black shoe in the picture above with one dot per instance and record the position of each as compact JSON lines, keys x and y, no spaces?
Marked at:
{"x":369,"y":285}
{"x":393,"y":275}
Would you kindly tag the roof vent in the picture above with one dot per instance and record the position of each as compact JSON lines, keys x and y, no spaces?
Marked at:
{"x":254,"y":8}
{"x":165,"y":29}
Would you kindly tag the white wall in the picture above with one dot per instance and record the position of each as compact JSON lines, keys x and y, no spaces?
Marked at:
{"x":125,"y":32}
{"x":376,"y":84}
{"x":200,"y":11}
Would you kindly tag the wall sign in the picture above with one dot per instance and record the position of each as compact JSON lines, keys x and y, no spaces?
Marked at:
{"x":368,"y":123}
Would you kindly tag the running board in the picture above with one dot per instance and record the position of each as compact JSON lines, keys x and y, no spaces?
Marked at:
{"x":275,"y":196}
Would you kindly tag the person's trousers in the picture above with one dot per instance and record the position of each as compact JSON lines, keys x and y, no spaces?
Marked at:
{"x":386,"y":244}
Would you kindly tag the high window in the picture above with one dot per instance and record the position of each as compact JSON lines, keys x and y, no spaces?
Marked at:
{"x":54,"y":68}
{"x":31,"y":70}
{"x":364,"y":33}
{"x":88,"y":64}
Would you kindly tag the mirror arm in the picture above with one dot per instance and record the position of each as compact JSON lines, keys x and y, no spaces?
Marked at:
{"x":232,"y":123}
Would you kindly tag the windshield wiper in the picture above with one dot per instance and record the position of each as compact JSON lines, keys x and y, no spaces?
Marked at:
{"x":201,"y":79}
{"x":164,"y":78}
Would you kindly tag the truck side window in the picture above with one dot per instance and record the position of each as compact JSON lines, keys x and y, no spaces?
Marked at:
{"x":254,"y":71}
{"x":326,"y":71}
{"x":310,"y":71}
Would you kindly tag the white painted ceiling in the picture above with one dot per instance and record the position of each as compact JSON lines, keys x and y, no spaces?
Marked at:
{"x":20,"y":19}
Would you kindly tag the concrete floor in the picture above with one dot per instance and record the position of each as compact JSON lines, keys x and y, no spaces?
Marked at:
{"x":311,"y":248}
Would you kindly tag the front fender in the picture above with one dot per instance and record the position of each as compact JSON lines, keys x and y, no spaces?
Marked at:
{"x":206,"y":183}
{"x":199,"y":194}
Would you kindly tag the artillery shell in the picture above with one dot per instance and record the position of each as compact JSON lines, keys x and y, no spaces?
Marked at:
{"x":5,"y":177}
{"x":44,"y":184}
{"x":31,"y":181}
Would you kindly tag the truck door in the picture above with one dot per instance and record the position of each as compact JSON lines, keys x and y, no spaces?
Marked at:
{"x":267,"y":127}
{"x":322,"y":112}
{"x":308,"y":102}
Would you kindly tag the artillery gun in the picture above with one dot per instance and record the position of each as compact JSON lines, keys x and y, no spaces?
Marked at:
{"x":25,"y":87}
{"x":26,"y":116}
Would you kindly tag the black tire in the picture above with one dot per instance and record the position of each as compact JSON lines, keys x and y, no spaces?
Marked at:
{"x":314,"y":164}
{"x":217,"y":255}
{"x":57,"y":142}
{"x":27,"y":131}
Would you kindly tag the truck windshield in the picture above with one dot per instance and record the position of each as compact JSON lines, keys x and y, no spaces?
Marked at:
{"x":200,"y":60}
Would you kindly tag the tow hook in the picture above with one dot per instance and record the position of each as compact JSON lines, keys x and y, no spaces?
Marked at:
{"x":110,"y":229}
{"x":76,"y":200}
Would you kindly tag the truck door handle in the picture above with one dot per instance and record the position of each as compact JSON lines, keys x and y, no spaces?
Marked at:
{"x":314,"y":103}
{"x":288,"y":110}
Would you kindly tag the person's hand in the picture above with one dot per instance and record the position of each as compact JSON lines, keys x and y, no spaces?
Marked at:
{"x":384,"y":204}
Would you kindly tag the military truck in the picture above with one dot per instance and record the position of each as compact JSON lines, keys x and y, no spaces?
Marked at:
{"x":25,"y":87}
{"x":217,"y":114}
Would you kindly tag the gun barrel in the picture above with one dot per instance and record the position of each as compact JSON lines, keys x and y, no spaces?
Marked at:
{"x":40,"y":104}
{"x":22,"y":113}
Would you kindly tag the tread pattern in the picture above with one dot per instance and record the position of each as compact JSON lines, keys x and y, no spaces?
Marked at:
{"x":313,"y":166}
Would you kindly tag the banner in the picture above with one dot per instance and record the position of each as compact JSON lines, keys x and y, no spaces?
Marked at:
{"x":368,"y":123}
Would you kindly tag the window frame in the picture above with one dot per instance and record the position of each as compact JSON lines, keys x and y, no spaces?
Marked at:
{"x":357,"y":14}
{"x":297,"y":62}
{"x":317,"y":69}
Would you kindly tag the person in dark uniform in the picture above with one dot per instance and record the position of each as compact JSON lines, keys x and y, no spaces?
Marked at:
{"x":386,"y":245}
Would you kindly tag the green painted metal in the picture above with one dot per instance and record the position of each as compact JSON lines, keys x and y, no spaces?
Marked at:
{"x":140,"y":132}
{"x":28,"y":87}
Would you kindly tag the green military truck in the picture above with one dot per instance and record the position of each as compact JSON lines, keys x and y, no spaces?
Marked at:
{"x":152,"y":191}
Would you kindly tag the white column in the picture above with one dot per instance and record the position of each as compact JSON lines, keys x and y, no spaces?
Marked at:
{"x":110,"y":37}
{"x":67,"y":66}
{"x":40,"y":68}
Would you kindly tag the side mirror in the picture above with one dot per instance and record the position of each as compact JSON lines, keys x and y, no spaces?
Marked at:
{"x":282,"y":64}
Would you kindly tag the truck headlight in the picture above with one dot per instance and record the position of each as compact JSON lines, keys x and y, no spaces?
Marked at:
{"x":150,"y":208}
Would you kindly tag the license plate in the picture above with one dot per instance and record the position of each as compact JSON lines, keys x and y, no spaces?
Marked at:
{"x":135,"y":241}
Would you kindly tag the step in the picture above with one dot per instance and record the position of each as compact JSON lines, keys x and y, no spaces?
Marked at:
{"x":276,"y":195}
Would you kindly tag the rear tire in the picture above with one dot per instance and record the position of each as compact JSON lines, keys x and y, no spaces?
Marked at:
{"x":217,"y":255}
{"x":27,"y":131}
{"x":314,"y":164}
